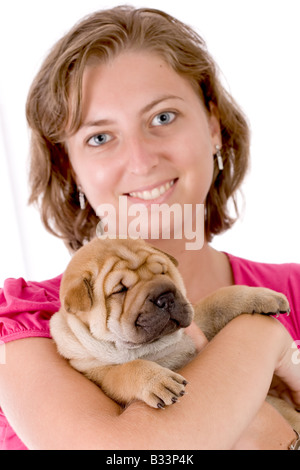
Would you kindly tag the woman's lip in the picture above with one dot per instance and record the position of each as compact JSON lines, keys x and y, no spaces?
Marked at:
{"x":153,"y":192}
{"x":158,"y":199}
{"x":150,"y":187}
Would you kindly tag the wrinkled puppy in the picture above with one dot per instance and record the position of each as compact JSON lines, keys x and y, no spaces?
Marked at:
{"x":123,"y":313}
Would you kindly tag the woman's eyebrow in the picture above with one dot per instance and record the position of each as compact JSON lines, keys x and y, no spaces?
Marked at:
{"x":148,"y":107}
{"x":159,"y":100}
{"x":96,"y":123}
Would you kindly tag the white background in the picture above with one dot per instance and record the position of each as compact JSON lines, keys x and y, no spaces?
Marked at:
{"x":256,"y":44}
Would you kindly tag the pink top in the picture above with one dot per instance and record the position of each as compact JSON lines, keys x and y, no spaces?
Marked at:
{"x":26,"y":307}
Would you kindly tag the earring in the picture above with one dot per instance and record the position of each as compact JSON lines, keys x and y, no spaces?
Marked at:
{"x":99,"y":229}
{"x":219,"y":157}
{"x":81,"y":198}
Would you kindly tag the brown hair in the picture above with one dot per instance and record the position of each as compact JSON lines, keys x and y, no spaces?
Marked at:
{"x":54,"y":109}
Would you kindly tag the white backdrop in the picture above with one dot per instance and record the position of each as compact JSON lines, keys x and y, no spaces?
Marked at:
{"x":256,"y":44}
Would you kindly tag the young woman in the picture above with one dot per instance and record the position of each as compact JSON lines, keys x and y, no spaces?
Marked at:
{"x":129,"y":104}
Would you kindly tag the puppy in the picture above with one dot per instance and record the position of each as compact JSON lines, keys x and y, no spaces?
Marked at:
{"x":122,"y":319}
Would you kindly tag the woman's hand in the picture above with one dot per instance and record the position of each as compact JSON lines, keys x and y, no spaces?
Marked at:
{"x":286,"y":382}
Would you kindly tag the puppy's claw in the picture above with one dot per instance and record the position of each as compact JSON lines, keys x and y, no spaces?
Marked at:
{"x":276,"y":314}
{"x":160,"y":405}
{"x":283,"y":312}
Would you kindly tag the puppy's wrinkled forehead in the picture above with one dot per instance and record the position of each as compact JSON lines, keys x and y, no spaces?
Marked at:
{"x":131,"y":267}
{"x":155,"y":262}
{"x":132,"y":260}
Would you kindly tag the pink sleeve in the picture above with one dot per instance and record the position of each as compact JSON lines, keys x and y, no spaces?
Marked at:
{"x":283,"y":278}
{"x":26,"y":308}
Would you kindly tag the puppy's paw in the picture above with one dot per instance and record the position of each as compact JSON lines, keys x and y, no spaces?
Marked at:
{"x":269,"y":302}
{"x":164,"y":388}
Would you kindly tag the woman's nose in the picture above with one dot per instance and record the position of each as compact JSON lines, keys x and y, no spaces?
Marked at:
{"x":142,"y":155}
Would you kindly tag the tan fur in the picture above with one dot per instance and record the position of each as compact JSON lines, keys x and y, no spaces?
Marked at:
{"x":122,"y":319}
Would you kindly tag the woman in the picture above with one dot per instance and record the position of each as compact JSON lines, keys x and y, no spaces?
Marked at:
{"x":129,"y":104}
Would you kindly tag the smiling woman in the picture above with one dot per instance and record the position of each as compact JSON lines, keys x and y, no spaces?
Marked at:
{"x":86,"y":65}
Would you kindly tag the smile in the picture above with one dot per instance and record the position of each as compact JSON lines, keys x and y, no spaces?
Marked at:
{"x":153,"y":193}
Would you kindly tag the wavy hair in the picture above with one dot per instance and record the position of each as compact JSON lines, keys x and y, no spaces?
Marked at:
{"x":54,"y":104}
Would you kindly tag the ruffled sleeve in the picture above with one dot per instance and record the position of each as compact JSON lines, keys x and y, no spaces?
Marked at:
{"x":26,"y":308}
{"x":283,"y":278}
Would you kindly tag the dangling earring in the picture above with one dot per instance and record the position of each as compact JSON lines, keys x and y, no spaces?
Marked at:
{"x":81,"y":199}
{"x":219,"y":157}
{"x":99,"y":229}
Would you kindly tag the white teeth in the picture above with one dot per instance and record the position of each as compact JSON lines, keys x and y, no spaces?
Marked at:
{"x":154,"y":193}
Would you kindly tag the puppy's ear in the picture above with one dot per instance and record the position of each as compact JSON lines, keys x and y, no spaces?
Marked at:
{"x":79,"y":295}
{"x":174,"y":260}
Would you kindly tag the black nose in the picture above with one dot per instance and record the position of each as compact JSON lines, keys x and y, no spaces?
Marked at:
{"x":165,"y":301}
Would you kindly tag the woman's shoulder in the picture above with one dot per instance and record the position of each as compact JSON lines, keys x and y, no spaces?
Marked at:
{"x":281,"y":277}
{"x":27,"y":306}
{"x":255,"y":273}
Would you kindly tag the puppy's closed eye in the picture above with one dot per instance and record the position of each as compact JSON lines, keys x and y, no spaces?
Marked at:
{"x":119,"y":289}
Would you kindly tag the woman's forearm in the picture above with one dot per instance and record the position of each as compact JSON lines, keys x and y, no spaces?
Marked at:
{"x":52,"y":406}
{"x":268,"y":431}
{"x":228,"y":382}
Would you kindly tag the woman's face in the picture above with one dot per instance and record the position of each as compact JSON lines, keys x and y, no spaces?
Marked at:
{"x":145,"y":135}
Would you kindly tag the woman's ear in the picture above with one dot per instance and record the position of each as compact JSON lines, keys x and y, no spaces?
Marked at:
{"x":214,"y":124}
{"x":74,"y":176}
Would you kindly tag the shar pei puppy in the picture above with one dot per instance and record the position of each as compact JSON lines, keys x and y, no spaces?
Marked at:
{"x":123,"y":314}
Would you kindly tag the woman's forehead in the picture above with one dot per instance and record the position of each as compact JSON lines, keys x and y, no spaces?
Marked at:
{"x":132,"y":78}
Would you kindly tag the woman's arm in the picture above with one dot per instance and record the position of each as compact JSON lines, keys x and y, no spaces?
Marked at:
{"x":52,"y":406}
{"x":268,"y":431}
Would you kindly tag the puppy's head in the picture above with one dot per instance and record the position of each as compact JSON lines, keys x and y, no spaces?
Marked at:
{"x":125,"y":291}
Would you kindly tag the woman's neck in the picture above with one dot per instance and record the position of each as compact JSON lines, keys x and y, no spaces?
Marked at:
{"x":203,"y":271}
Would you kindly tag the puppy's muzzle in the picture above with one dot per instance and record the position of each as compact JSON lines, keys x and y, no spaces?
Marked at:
{"x":164,"y":313}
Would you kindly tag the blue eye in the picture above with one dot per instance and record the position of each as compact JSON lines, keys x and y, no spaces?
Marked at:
{"x":99,"y":139}
{"x":164,"y":118}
